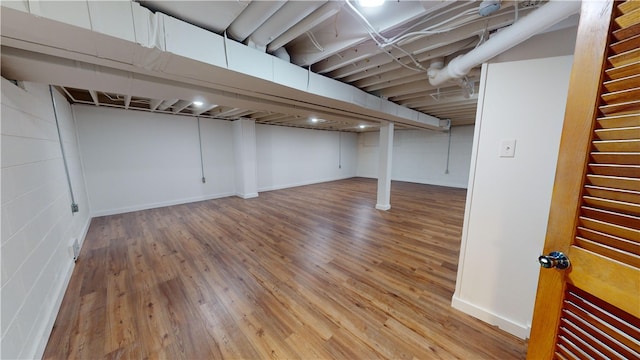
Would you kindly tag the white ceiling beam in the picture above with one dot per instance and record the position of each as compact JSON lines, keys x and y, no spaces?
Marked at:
{"x":154,"y":103}
{"x":251,"y":18}
{"x":425,"y":43}
{"x":204,"y":109}
{"x":427,"y":101}
{"x":94,"y":97}
{"x":230,"y":112}
{"x":68,"y":70}
{"x":273,"y":117}
{"x":214,"y":16}
{"x":246,"y":113}
{"x":181,"y":105}
{"x":287,"y":119}
{"x":381,"y":63}
{"x":319,"y":15}
{"x":452,"y":111}
{"x":408,"y":88}
{"x":393,"y":70}
{"x":463,"y":112}
{"x":286,"y":17}
{"x":396,"y":82}
{"x":260,"y":114}
{"x":127,"y":101}
{"x":420,"y":85}
{"x":345,"y":31}
{"x":419,"y":94}
{"x":166,"y":104}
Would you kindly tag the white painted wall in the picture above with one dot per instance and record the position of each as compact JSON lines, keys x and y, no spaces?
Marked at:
{"x":508,"y":198}
{"x":290,"y":157}
{"x":136,"y":160}
{"x":37,"y":224}
{"x":420,"y":156}
{"x":244,"y":147}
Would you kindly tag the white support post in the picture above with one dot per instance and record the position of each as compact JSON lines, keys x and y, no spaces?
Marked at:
{"x":244,"y":143}
{"x":384,"y":168}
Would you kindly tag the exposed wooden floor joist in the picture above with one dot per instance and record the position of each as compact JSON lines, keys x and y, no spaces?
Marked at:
{"x":307,"y":272}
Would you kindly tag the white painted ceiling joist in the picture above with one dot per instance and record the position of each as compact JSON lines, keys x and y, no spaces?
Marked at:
{"x":22,"y":30}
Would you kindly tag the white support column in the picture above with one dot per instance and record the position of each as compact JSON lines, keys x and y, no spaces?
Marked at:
{"x":384,"y":167}
{"x":244,"y":145}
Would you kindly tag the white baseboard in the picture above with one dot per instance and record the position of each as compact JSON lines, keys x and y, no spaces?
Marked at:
{"x":53,"y":314}
{"x":127,"y":209}
{"x":383,"y":207}
{"x":248,"y":196}
{"x":302,"y":183}
{"x":422,"y":181}
{"x":432,"y":182}
{"x":514,"y":328}
{"x":60,"y":291}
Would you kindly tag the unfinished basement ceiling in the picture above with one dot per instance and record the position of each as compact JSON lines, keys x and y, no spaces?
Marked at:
{"x":383,"y":51}
{"x":219,"y":112}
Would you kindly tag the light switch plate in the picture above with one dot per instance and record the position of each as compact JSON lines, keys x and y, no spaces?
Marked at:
{"x":508,"y":148}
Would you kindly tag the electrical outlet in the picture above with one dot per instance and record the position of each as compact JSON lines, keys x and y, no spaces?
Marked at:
{"x":508,"y":148}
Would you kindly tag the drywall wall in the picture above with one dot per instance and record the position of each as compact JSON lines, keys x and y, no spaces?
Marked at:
{"x":292,"y":157}
{"x":420,"y":156}
{"x":37,"y":224}
{"x":508,"y":197}
{"x":244,"y":147}
{"x":136,"y":160}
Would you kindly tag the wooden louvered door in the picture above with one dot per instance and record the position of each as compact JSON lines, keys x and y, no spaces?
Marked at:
{"x":592,"y":309}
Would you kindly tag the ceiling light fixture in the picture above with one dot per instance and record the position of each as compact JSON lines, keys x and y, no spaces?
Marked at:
{"x":370,"y":3}
{"x":314,"y":120}
{"x":198,"y":103}
{"x":362,"y":126}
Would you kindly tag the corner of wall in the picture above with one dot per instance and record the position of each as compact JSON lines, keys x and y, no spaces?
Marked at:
{"x":519,"y":330}
{"x":472,"y":173}
{"x":60,"y":291}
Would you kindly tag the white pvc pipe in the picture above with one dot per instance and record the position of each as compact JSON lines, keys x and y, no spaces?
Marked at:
{"x":537,"y":21}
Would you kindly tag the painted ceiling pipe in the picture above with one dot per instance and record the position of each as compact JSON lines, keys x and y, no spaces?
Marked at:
{"x":251,"y":18}
{"x":537,"y":21}
{"x":290,"y":14}
{"x":323,"y":13}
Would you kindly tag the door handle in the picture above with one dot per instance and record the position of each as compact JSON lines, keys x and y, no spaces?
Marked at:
{"x":555,"y":259}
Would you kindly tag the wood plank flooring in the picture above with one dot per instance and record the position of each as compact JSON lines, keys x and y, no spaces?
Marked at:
{"x":308,"y":272}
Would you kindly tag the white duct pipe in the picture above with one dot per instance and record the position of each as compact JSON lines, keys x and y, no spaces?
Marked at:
{"x":282,"y":53}
{"x":323,"y":13}
{"x":290,"y":14}
{"x":537,"y":21}
{"x":251,"y":18}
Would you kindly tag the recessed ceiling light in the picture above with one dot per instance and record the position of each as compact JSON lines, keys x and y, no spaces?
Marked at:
{"x":370,"y":3}
{"x":314,"y":120}
{"x":362,"y":126}
{"x":198,"y":103}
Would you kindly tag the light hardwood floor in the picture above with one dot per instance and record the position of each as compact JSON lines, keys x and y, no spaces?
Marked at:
{"x":307,"y":272}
